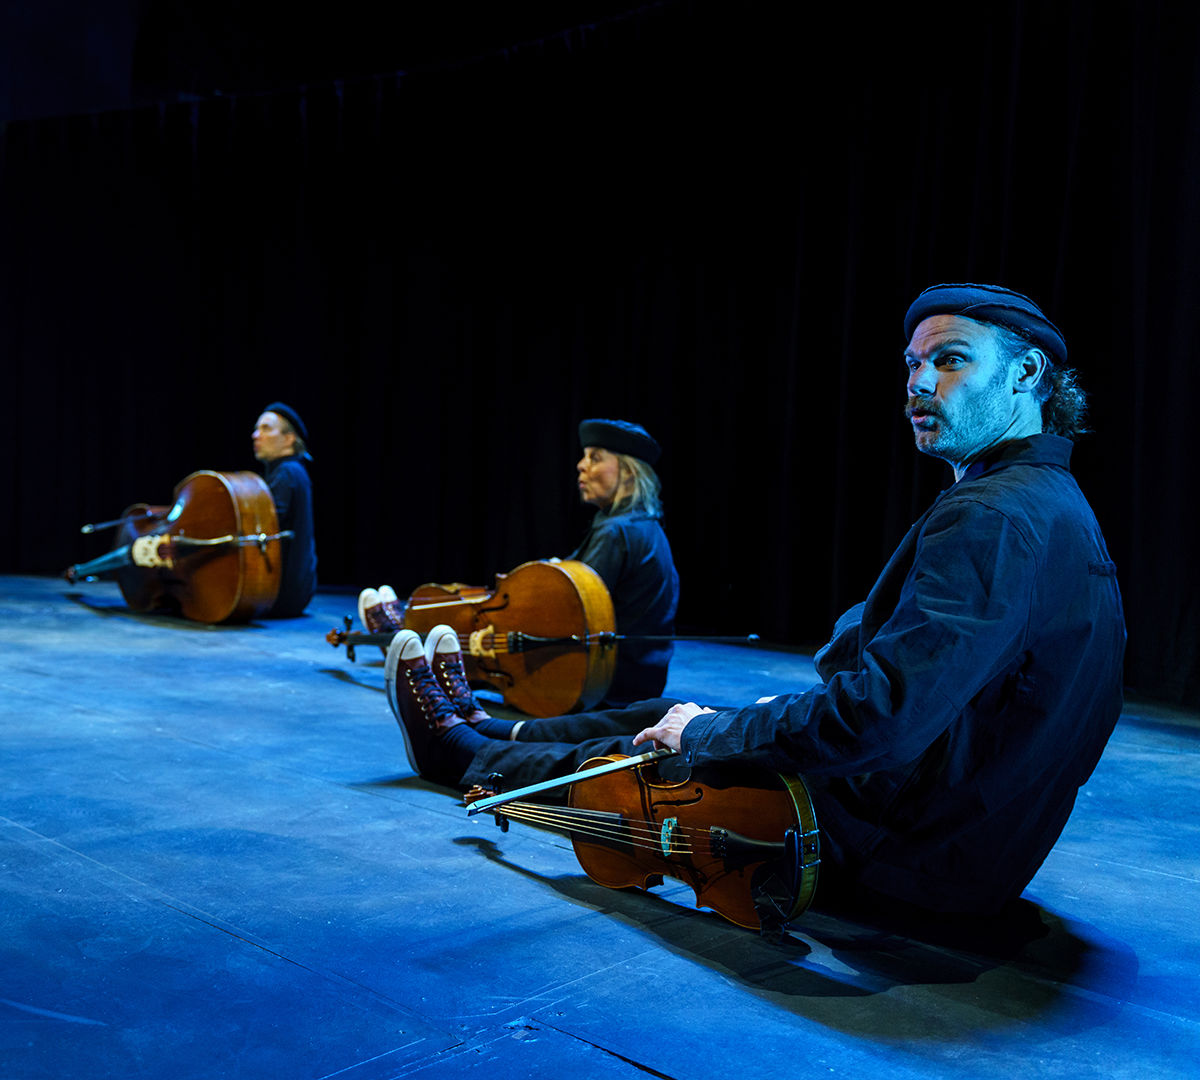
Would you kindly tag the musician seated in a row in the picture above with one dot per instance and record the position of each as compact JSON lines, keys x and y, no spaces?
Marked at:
{"x":626,"y":546}
{"x":963,"y":704}
{"x":281,"y":443}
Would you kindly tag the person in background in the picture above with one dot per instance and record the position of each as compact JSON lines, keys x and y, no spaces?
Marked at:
{"x":625,"y":545}
{"x":281,"y":445}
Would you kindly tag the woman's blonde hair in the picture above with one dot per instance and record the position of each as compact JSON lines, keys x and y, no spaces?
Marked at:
{"x":645,"y":493}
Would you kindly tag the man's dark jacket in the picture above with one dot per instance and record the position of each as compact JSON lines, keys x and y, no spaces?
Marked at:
{"x":966,"y":701}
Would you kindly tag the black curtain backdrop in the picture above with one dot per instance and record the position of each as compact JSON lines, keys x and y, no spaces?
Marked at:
{"x":707,"y":218}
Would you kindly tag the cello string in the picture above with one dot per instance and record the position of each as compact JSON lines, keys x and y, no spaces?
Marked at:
{"x":501,"y":645}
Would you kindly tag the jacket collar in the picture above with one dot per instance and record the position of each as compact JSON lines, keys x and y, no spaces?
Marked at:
{"x":1041,"y":449}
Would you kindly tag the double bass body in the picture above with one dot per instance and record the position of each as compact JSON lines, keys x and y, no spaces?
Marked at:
{"x":213,"y":556}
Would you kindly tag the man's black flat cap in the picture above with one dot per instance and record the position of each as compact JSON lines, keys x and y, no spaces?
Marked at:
{"x":991,"y":304}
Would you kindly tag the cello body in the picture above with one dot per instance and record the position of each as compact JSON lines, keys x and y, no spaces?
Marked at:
{"x":213,"y":556}
{"x":565,"y":601}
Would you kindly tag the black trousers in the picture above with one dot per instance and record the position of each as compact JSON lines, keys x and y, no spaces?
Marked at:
{"x":558,"y":745}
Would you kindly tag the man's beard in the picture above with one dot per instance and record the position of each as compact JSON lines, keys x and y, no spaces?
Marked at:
{"x":956,"y":439}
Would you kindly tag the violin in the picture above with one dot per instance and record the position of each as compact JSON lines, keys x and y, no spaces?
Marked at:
{"x":744,"y":839}
{"x":213,"y":556}
{"x":543,"y":636}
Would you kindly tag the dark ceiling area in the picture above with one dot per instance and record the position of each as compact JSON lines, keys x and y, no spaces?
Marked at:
{"x":70,"y":56}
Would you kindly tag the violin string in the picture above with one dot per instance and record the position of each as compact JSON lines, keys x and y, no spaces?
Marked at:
{"x":633,"y":833}
{"x":647,"y":840}
{"x":597,"y":820}
{"x":650,"y":828}
{"x":644,"y":844}
{"x":637,"y":834}
{"x":644,"y":835}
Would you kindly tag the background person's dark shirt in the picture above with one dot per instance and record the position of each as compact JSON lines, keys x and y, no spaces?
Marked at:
{"x":291,"y":490}
{"x":632,"y":555}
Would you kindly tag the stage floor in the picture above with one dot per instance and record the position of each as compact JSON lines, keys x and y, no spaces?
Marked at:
{"x":217,"y":863}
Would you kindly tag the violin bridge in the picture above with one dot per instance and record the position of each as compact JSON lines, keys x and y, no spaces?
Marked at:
{"x":666,"y":836}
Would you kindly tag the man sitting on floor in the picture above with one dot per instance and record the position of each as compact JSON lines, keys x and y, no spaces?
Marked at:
{"x":964,"y":702}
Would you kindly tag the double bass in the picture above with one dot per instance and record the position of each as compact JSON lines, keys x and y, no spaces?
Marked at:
{"x":214,"y":555}
{"x":543,"y":635}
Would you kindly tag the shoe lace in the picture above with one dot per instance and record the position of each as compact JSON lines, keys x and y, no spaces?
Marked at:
{"x":435,"y":706}
{"x":454,"y":681}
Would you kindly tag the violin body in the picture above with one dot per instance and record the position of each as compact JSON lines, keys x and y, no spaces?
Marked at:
{"x":718,"y":833}
{"x":563,"y":601}
{"x":213,"y":556}
{"x":744,"y":839}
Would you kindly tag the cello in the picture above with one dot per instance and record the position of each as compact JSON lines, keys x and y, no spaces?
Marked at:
{"x":543,"y":635}
{"x":213,"y":556}
{"x":745,"y":839}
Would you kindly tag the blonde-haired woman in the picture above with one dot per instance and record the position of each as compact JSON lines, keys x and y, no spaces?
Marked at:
{"x":627,"y":547}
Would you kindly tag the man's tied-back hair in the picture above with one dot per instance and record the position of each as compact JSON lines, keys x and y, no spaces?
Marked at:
{"x":1063,"y":401}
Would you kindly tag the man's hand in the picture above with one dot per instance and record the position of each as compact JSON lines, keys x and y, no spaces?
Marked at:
{"x":668,"y":730}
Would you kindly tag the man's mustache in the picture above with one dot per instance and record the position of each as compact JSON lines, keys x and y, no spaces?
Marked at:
{"x":926,"y":408}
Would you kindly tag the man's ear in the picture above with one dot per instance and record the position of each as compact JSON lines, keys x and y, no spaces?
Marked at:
{"x":1030,"y":367}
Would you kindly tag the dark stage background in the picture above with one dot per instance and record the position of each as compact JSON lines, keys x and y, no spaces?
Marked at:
{"x":445,"y":236}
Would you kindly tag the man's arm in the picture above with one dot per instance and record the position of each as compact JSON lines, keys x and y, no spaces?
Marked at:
{"x":669,"y":730}
{"x":960,"y":619}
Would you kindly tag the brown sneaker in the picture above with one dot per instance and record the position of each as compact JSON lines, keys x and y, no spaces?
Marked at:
{"x":444,"y":656}
{"x":420,"y":706}
{"x":393,"y":609}
{"x":371,"y":613}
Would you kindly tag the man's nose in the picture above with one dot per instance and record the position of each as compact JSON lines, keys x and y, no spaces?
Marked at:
{"x":922,"y":380}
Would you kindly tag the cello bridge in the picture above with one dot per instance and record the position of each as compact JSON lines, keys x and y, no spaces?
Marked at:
{"x":483,"y":643}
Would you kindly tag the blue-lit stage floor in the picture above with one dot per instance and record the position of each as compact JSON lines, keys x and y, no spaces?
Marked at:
{"x":216,"y":863}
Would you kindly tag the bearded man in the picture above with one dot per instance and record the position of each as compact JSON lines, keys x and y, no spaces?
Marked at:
{"x":963,"y":703}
